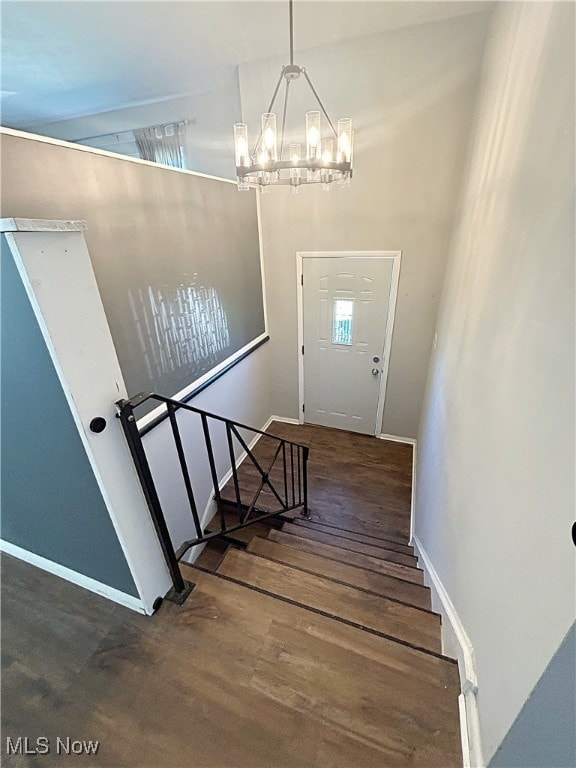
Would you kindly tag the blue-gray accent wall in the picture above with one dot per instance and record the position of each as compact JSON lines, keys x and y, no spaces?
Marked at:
{"x":544,"y":733}
{"x":51,"y":502}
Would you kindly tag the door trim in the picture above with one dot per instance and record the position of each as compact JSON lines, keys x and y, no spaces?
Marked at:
{"x":396,"y":257}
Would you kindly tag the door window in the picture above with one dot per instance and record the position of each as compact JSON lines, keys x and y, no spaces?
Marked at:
{"x":342,"y":314}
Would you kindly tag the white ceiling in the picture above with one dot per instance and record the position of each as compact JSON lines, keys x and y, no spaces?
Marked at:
{"x":67,"y":59}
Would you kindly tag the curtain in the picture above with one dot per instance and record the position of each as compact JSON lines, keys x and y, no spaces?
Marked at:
{"x":162,"y":143}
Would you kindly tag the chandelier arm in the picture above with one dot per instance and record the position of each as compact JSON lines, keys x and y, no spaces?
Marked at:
{"x":319,"y":102}
{"x":284,"y":117}
{"x":272,"y":100}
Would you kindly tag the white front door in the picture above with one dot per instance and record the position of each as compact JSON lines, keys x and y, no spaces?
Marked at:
{"x":347,"y":321}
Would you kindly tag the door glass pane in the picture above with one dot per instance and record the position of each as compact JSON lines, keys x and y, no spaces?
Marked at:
{"x":342,"y":321}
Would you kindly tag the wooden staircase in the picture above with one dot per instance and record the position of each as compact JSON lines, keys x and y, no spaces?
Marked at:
{"x":334,"y":627}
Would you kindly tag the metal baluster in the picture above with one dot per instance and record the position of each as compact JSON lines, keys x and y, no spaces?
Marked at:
{"x":292,"y":473}
{"x":213,"y":472}
{"x":299,"y":456}
{"x":184,"y":468}
{"x":305,"y":452}
{"x":285,"y":474}
{"x":234,"y":471}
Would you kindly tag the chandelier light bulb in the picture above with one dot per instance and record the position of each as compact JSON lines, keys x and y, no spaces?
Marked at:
{"x":241,"y":145}
{"x":344,"y":144}
{"x":242,"y":151}
{"x":269,"y":139}
{"x":313,"y":135}
{"x":295,"y":153}
{"x":314,"y":141}
{"x":345,"y":140}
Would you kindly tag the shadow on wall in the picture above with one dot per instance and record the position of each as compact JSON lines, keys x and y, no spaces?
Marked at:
{"x":182,"y":327}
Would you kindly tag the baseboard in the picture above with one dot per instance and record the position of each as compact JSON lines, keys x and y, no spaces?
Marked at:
{"x":469,"y":725}
{"x":464,"y":736}
{"x":413,"y":494}
{"x":397,"y":439}
{"x":73,"y":576}
{"x":283,"y":419}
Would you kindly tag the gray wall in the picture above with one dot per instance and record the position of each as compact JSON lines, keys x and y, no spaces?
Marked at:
{"x":496,"y":465}
{"x":412,"y":95}
{"x":66,"y":191}
{"x":544,"y":733}
{"x":51,"y":503}
{"x":156,"y":237}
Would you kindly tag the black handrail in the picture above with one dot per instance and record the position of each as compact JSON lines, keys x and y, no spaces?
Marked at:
{"x":292,"y":494}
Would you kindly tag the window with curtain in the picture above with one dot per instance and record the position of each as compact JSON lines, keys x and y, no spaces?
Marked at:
{"x":158,"y":143}
{"x":162,"y":143}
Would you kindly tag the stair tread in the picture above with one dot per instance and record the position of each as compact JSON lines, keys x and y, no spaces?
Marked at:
{"x":333,"y":694}
{"x":394,"y":619}
{"x":388,"y":586}
{"x":354,"y":535}
{"x":351,"y":545}
{"x":378,"y":565}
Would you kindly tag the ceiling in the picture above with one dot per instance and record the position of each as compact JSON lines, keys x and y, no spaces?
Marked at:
{"x":62,"y":60}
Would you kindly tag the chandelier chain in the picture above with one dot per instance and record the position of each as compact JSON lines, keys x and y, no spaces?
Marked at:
{"x":291,"y":32}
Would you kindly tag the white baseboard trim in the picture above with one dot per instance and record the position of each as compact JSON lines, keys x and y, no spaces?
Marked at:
{"x":452,"y":616}
{"x":464,"y":738}
{"x":413,"y":494}
{"x":397,"y":439}
{"x":283,"y":419}
{"x":470,"y":728}
{"x":73,"y":576}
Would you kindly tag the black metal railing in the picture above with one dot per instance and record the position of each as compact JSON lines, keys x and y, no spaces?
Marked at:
{"x":273,"y":479}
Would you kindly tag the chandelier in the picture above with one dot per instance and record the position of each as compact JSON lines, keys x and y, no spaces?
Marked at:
{"x":323,"y":161}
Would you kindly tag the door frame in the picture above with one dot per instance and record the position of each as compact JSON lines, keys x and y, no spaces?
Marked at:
{"x":396,"y":257}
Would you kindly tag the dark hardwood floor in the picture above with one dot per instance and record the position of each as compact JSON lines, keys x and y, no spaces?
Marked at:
{"x":313,"y":648}
{"x":356,"y":482}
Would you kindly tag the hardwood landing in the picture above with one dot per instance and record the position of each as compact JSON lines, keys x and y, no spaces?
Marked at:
{"x":355,"y":482}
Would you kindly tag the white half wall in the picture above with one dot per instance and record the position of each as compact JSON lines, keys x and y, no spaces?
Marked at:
{"x":496,"y":456}
{"x":243,"y":394}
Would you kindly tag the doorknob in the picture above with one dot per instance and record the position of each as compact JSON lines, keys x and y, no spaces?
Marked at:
{"x":375,"y":371}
